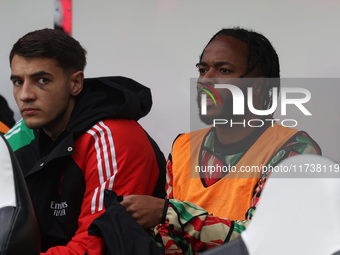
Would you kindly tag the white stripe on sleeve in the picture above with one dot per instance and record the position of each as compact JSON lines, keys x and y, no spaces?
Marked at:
{"x":107,"y":149}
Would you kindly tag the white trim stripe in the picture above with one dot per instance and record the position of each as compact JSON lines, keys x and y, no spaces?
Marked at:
{"x":101,"y":197}
{"x":105,"y":150}
{"x":99,"y":165}
{"x":112,"y":179}
{"x":15,"y":129}
{"x":113,"y":155}
{"x":93,"y":202}
{"x":7,"y":136}
{"x":18,"y":124}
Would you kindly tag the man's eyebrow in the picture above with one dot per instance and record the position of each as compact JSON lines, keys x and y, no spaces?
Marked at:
{"x":41,"y":73}
{"x":201,"y":64}
{"x":14,"y":77}
{"x":224,"y":63}
{"x":218,"y":64}
{"x":33,"y":75}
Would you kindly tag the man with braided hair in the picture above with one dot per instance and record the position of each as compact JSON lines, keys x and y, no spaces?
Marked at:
{"x":205,"y":209}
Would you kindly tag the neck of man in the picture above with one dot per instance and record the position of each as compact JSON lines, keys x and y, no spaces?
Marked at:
{"x":55,"y":128}
{"x":235,"y":130}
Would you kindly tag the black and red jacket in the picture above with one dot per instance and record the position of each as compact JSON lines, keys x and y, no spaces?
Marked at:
{"x":102,"y":147}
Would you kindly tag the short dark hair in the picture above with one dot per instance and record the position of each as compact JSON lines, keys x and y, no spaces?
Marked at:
{"x":260,"y":52}
{"x":52,"y":43}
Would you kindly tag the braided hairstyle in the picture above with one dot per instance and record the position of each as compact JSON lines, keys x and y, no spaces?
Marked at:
{"x":260,"y":52}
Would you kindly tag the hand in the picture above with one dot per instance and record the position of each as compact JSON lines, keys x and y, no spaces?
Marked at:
{"x":146,"y":210}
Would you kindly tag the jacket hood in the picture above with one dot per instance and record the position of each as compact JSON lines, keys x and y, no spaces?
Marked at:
{"x":109,"y":97}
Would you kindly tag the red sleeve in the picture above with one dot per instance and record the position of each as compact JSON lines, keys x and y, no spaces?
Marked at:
{"x":114,"y":155}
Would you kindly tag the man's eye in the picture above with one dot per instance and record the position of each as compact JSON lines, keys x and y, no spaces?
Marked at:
{"x":223,"y":70}
{"x":202,"y":70}
{"x":43,"y":81}
{"x":17,"y":82}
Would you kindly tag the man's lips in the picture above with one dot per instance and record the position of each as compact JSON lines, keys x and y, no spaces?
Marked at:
{"x":29,"y":111}
{"x":209,"y":90}
{"x":209,"y":100}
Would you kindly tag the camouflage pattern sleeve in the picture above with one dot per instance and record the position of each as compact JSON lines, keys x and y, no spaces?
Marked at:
{"x":189,"y":228}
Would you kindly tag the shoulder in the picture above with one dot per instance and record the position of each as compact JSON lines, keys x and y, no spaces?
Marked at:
{"x":19,"y":135}
{"x":191,"y":136}
{"x":114,"y":132}
{"x":279,"y":131}
{"x":118,"y":128}
{"x":299,"y":143}
{"x":117,"y":139}
{"x":296,"y":141}
{"x":183,"y":142}
{"x":302,"y":143}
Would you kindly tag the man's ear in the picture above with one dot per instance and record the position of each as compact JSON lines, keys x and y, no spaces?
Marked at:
{"x":76,"y":82}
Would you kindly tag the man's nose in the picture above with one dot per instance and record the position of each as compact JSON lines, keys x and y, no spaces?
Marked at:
{"x":209,"y":78}
{"x":27,"y":92}
{"x":210,"y":74}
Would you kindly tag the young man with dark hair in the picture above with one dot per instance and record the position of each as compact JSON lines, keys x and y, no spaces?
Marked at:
{"x":77,"y":138}
{"x":205,"y":209}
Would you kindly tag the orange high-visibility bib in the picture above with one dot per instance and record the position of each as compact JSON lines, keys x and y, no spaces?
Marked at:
{"x":231,"y":196}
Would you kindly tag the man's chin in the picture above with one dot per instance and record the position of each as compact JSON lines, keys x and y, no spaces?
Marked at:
{"x":32,"y":124}
{"x":208,"y":120}
{"x":212,"y":113}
